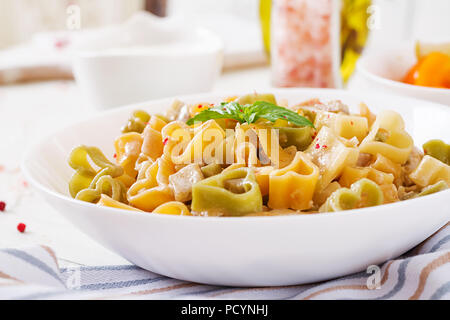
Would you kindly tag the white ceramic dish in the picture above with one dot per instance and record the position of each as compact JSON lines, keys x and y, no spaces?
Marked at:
{"x":251,"y":251}
{"x":384,"y":71}
{"x":146,"y":58}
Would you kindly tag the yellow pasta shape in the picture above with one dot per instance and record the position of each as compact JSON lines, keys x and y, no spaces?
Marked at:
{"x":346,"y":126}
{"x":268,"y":142}
{"x":390,"y":193}
{"x":293,"y":186}
{"x":262,"y":175}
{"x":388,"y":138}
{"x":352,"y":174}
{"x":175,"y":208}
{"x":380,"y":177}
{"x":204,"y":147}
{"x":365,"y":112}
{"x":107,"y":201}
{"x":157,"y":123}
{"x":247,"y":154}
{"x":128,"y":147}
{"x":386,"y":165}
{"x":320,"y":197}
{"x":429,"y":171}
{"x":152,"y":145}
{"x":152,"y":189}
{"x":331,"y":155}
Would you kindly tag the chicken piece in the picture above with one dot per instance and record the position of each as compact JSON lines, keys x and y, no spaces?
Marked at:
{"x":178,"y":111}
{"x":411,"y":164}
{"x":364,"y":159}
{"x":174,"y":110}
{"x":405,"y":193}
{"x":334,"y":106}
{"x":182,"y":182}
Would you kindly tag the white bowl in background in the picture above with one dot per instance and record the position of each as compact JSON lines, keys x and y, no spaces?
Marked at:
{"x":146,"y":58}
{"x":385,"y":69}
{"x":246,"y":251}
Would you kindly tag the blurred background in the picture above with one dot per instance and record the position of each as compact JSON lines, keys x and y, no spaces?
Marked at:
{"x":301,"y":43}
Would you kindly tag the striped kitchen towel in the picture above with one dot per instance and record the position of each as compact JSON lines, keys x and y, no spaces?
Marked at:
{"x":33,"y":273}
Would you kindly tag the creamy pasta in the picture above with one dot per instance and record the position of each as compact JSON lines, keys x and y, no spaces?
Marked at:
{"x":248,"y":156}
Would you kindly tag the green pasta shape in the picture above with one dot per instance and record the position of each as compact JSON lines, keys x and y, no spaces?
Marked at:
{"x":301,"y":138}
{"x":437,"y":187}
{"x":104,"y":185}
{"x":438,"y":149}
{"x":211,"y":169}
{"x":363,"y":193}
{"x":254,"y":97}
{"x":137,"y":122}
{"x":85,"y":176}
{"x":215,"y":195}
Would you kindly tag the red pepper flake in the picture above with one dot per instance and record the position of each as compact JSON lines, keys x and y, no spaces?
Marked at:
{"x":21,"y":227}
{"x":317,"y":146}
{"x":199,"y":106}
{"x":241,"y":110}
{"x":2,"y":206}
{"x":285,"y":117}
{"x":61,"y":44}
{"x":425,"y":152}
{"x":165,"y":141}
{"x":324,"y":146}
{"x":25,"y":184}
{"x":115,"y":155}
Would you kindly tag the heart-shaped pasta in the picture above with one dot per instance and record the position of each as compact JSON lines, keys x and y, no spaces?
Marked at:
{"x":234,"y":192}
{"x":438,"y":149}
{"x":437,"y":187}
{"x":175,"y":208}
{"x":388,"y":137}
{"x":152,"y":187}
{"x":429,"y":171}
{"x":104,"y":185}
{"x":85,"y":175}
{"x":363,"y":193}
{"x":107,"y":201}
{"x":345,"y":126}
{"x":128,"y":148}
{"x":331,"y":155}
{"x":293,"y":186}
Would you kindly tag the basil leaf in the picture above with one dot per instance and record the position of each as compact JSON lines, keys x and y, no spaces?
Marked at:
{"x":272,"y":112}
{"x":250,"y":113}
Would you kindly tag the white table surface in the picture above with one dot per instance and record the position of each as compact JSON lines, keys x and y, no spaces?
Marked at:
{"x":29,"y":112}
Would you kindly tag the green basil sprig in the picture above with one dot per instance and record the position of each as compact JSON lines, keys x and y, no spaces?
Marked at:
{"x":250,"y":113}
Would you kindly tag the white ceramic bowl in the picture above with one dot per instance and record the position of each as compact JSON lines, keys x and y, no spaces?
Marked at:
{"x":249,"y":251}
{"x":111,"y":78}
{"x":383,"y":71}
